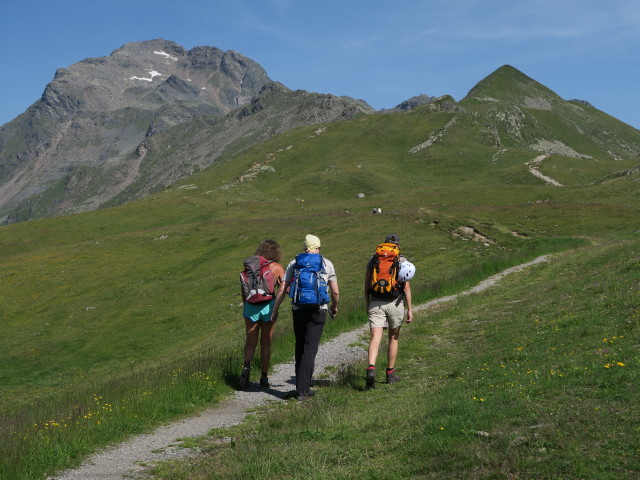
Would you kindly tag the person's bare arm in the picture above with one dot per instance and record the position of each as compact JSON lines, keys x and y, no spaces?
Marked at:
{"x":407,"y":299}
{"x":335,"y":298}
{"x":279,"y":298}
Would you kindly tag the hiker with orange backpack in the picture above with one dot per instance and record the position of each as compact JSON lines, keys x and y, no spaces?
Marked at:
{"x":387,"y":289}
{"x":259,"y":280}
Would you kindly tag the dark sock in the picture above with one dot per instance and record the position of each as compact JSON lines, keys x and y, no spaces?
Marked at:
{"x":370,"y":367}
{"x":391,"y":370}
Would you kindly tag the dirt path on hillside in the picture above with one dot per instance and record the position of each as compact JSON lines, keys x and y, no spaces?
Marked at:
{"x":533,"y":169}
{"x":126,"y":459}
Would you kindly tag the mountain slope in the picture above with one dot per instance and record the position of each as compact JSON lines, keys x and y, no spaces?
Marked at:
{"x":188,"y":148}
{"x":520,"y":112}
{"x":96,"y":112}
{"x":112,"y":129}
{"x":87,"y":139}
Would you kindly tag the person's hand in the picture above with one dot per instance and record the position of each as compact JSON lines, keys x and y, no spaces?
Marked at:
{"x":409,"y":316}
{"x":274,"y":316}
{"x":333,"y":311}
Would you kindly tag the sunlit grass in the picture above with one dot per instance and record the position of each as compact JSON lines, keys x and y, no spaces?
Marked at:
{"x":522,"y":381}
{"x":138,"y":306}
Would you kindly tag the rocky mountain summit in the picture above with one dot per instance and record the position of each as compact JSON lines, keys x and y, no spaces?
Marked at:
{"x":140,"y":75}
{"x":411,"y":103}
{"x":90,"y":139}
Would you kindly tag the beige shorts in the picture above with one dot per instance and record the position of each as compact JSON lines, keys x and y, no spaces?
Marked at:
{"x":383,"y":312}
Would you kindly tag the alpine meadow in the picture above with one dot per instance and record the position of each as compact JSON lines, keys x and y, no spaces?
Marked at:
{"x":120,"y":319}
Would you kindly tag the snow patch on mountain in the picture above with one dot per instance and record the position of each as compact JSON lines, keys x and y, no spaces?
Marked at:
{"x":166,"y":55}
{"x":153,"y":74}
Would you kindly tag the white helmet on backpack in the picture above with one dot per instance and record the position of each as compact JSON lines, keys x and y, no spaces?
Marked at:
{"x":406,"y":272}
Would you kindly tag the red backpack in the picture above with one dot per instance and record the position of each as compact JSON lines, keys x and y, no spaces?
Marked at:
{"x":257,"y":280}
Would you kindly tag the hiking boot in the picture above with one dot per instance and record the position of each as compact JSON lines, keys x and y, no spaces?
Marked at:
{"x":290,"y":394}
{"x":392,"y":377}
{"x":371,"y":377}
{"x":264,"y":382}
{"x":306,"y":395}
{"x":244,"y":375}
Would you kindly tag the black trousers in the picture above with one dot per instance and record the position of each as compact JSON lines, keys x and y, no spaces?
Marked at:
{"x":307,"y":327}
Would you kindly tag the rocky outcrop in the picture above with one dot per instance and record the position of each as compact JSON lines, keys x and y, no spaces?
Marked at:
{"x":411,"y":103}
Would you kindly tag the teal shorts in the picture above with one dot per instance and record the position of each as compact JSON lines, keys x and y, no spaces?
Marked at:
{"x":258,"y":312}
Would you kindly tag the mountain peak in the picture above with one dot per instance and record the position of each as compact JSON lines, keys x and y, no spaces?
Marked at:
{"x":511,"y":73}
{"x":509,"y":84}
{"x":157,"y":44}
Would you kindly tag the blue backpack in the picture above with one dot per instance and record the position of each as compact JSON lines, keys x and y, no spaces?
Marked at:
{"x":308,"y":290}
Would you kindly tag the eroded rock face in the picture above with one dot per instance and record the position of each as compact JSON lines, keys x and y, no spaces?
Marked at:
{"x":96,"y":113}
{"x":94,"y":136}
{"x":512,"y":119}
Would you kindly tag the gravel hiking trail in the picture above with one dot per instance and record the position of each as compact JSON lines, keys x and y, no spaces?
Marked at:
{"x":533,"y":169}
{"x":127,"y":460}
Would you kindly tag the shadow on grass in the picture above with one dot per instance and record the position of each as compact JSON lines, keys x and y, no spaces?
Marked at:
{"x":351,"y":377}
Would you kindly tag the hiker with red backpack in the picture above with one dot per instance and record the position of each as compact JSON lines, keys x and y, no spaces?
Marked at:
{"x":259,"y":280}
{"x":312,"y":282}
{"x":387,"y":289}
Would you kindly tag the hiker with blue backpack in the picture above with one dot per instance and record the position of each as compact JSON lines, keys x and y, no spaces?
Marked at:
{"x":387,"y":289}
{"x":312,"y":283}
{"x":259,"y":280}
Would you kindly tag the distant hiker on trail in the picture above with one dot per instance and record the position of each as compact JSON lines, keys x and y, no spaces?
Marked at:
{"x":261,"y":276}
{"x":312,"y":283}
{"x":386,"y":290}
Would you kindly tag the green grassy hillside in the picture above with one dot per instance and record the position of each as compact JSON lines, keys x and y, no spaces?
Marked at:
{"x":122,"y":318}
{"x":534,"y":379}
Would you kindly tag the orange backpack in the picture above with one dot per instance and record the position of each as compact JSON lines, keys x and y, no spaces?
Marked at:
{"x":384,"y":271}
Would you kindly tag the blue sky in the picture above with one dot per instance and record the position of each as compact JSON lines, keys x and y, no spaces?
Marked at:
{"x":383,"y":52}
